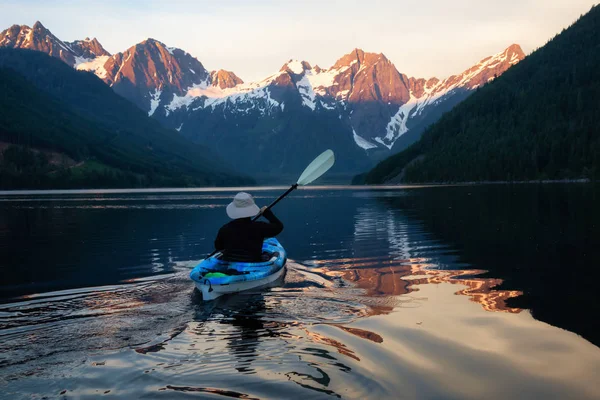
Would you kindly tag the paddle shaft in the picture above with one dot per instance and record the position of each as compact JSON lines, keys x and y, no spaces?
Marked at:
{"x":290,"y":190}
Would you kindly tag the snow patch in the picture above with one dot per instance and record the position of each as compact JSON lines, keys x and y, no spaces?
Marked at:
{"x":327,"y":106}
{"x":362,"y":142}
{"x":95,"y":65}
{"x":118,"y":74}
{"x":81,"y":60}
{"x":170,"y":49}
{"x":192,"y":71}
{"x":322,"y":80}
{"x":179,"y":129}
{"x":241,"y":98}
{"x":311,"y":86}
{"x":295,"y":66}
{"x":306,"y":92}
{"x":154,"y":101}
{"x":397,"y":125}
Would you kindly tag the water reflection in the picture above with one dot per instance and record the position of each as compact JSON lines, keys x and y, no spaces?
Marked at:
{"x":414,"y":258}
{"x":248,"y":329}
{"x":483,"y":291}
{"x":540,"y":240}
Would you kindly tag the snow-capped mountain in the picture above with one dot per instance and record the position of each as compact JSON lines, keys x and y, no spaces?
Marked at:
{"x":429,"y":99}
{"x":143,"y":72}
{"x":41,"y":39}
{"x":361,"y":106}
{"x":376,"y":103}
{"x":151,"y":72}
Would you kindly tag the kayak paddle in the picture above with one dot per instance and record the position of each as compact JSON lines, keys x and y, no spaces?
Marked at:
{"x":315,"y":169}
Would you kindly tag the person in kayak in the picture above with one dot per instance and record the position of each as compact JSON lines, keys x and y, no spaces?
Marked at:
{"x":242,"y":238}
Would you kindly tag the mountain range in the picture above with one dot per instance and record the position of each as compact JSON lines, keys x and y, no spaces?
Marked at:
{"x":362,"y":107}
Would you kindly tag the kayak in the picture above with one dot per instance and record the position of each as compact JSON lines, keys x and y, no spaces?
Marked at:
{"x":215,"y":277}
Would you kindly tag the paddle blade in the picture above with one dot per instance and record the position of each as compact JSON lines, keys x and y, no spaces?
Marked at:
{"x":318,"y":167}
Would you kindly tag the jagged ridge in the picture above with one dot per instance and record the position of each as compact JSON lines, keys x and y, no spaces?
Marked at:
{"x":363,"y":96}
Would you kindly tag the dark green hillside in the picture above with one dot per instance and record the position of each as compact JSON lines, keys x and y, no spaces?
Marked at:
{"x":47,"y":108}
{"x":539,"y":120}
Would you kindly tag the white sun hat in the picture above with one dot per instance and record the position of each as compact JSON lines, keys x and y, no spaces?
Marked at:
{"x":242,"y":206}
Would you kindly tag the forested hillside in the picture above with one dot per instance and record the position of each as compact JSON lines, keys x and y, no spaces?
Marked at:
{"x":539,"y":120}
{"x":61,"y":128}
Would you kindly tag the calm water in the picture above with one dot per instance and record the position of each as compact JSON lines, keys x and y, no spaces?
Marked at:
{"x":435,"y":293}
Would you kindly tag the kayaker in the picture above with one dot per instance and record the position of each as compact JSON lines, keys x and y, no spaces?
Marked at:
{"x":242,"y":238}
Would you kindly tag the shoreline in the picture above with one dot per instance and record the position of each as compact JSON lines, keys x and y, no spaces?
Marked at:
{"x":545,"y":181}
{"x":25,"y":192}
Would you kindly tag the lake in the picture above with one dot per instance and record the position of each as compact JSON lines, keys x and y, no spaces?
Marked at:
{"x":456,"y":292}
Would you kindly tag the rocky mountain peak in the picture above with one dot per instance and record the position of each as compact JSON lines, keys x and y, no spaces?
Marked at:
{"x":295,"y":67}
{"x":10,"y":37}
{"x":37,"y":38}
{"x":360,"y":58}
{"x":516,"y":49}
{"x":487,"y":69}
{"x":369,"y":77}
{"x":431,"y":82}
{"x":40,"y":29}
{"x":88,"y":48}
{"x":355,"y":56}
{"x":41,"y":39}
{"x":150,"y":67}
{"x":224,"y":79}
{"x":151,"y":42}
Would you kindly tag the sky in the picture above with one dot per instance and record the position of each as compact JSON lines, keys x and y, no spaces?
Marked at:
{"x":423,"y":38}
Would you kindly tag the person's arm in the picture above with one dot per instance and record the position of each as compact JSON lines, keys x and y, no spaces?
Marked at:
{"x":274,"y":227}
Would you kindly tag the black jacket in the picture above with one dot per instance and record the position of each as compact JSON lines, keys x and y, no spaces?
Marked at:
{"x":242,"y":239}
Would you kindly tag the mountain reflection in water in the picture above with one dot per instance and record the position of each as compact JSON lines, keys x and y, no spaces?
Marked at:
{"x":399,"y":277}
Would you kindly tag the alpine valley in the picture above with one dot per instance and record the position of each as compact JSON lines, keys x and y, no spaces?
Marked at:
{"x":362,"y":107}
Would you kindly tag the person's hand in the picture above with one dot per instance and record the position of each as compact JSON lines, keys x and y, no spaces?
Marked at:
{"x":263,"y":209}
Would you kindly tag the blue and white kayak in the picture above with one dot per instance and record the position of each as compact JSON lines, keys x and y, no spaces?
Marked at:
{"x":215,"y":277}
